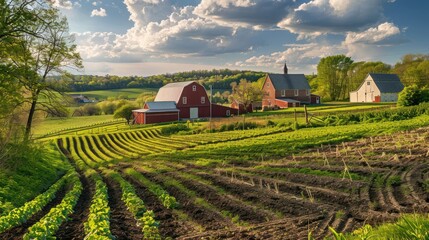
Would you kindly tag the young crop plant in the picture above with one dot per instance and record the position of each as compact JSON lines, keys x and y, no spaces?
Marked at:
{"x":51,"y":222}
{"x":20,"y":215}
{"x":145,"y":218}
{"x":167,"y":200}
{"x":97,"y":225}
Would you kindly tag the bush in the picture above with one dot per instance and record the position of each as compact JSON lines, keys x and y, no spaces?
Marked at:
{"x":174,"y":128}
{"x":237,"y":126}
{"x":410,"y":96}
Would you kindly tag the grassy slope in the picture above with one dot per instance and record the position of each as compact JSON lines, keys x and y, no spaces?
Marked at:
{"x":24,"y":178}
{"x":128,"y":92}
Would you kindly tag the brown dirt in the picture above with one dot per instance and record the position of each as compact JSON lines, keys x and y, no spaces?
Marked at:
{"x":170,"y":224}
{"x":122,"y":222}
{"x":73,"y":228}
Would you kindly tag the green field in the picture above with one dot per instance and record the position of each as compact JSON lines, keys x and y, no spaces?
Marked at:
{"x":130,"y":93}
{"x":273,"y":181}
{"x":57,"y":124}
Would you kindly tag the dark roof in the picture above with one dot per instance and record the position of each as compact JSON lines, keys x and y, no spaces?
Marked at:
{"x":387,"y":83}
{"x":289,"y":81}
{"x":171,"y":91}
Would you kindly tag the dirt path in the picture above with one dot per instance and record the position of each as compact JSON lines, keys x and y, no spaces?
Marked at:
{"x":122,"y":222}
{"x":170,"y":224}
{"x":73,"y":228}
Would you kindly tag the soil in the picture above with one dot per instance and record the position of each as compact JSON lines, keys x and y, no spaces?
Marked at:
{"x":122,"y":222}
{"x":74,"y":227}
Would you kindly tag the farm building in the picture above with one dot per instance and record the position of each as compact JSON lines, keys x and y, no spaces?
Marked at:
{"x":190,"y":101}
{"x":378,"y":88}
{"x":156,"y":112}
{"x":79,"y":98}
{"x":287,"y":90}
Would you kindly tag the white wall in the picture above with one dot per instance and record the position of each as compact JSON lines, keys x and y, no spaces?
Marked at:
{"x":366,"y":92}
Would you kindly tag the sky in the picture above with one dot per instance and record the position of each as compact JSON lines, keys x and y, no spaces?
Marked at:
{"x":148,"y":37}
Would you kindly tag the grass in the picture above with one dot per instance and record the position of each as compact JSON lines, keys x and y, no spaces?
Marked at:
{"x":408,"y":227}
{"x":130,"y":93}
{"x":25,"y":177}
{"x":57,"y":124}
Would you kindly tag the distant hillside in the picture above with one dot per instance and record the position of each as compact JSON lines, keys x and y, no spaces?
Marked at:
{"x":220,"y":79}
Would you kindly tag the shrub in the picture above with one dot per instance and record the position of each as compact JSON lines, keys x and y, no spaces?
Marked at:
{"x":174,"y":128}
{"x":410,"y":96}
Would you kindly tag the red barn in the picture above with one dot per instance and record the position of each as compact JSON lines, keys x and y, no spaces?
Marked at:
{"x":192,"y":101}
{"x":182,"y":100}
{"x":287,"y":90}
{"x":156,"y":112}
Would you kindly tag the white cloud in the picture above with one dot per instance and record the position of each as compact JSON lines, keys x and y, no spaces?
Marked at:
{"x":179,"y":33}
{"x":319,"y":17}
{"x":299,"y":57}
{"x":99,"y":12}
{"x":94,"y":4}
{"x":64,"y":4}
{"x":370,"y":43}
{"x":384,"y":34}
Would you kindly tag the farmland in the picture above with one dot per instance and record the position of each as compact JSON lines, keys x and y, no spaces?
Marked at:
{"x":264,"y":183}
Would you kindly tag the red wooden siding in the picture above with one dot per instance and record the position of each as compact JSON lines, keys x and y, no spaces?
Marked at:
{"x":155,"y":117}
{"x":222,"y":111}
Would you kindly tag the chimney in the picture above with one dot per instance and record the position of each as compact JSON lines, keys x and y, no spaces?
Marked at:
{"x":285,"y":70}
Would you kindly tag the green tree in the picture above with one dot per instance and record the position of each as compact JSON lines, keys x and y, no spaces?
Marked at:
{"x":246,"y":92}
{"x":125,"y":111}
{"x":45,"y":56}
{"x":332,"y":75}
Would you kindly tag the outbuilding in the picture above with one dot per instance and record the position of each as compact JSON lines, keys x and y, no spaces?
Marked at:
{"x":378,"y":88}
{"x":156,"y":112}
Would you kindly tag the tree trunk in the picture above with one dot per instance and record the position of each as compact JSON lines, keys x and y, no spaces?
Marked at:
{"x":31,"y":115}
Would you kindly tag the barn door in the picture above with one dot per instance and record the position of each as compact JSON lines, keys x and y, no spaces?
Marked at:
{"x":193,"y":113}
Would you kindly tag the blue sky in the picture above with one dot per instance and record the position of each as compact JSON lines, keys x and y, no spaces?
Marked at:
{"x":146,"y":37}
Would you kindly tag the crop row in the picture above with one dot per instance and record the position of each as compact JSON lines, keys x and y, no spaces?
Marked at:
{"x":98,"y":224}
{"x":145,"y":218}
{"x":165,"y":198}
{"x":51,"y":222}
{"x":20,"y":215}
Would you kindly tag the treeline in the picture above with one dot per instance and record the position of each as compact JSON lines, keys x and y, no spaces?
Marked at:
{"x":219,"y":79}
{"x":339,"y":75}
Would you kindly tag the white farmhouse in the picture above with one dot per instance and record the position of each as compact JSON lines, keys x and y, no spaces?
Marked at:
{"x":378,"y":88}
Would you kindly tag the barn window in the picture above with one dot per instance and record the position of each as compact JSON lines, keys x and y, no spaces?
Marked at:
{"x":368,"y":83}
{"x":194,"y":88}
{"x":308,"y":92}
{"x":184,"y":100}
{"x":296,"y":92}
{"x":228,"y":113}
{"x":203,"y":100}
{"x":283,"y":92}
{"x":268,"y":84}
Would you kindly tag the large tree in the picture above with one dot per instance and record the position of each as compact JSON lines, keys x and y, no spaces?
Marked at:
{"x":246,"y":92}
{"x":36,"y":52}
{"x":332,"y":75}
